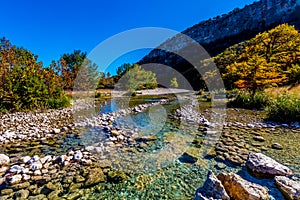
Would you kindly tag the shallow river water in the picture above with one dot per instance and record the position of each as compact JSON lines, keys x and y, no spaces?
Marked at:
{"x":156,"y":169}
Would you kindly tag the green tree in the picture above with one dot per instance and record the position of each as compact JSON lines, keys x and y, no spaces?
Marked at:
{"x":24,"y":83}
{"x":174,"y":83}
{"x":138,"y":78}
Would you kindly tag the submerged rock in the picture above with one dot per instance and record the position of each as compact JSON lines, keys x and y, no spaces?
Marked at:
{"x":261,"y":164}
{"x":240,"y":189}
{"x":289,"y":188}
{"x":212,"y":188}
{"x":95,"y":176}
{"x":187,"y":158}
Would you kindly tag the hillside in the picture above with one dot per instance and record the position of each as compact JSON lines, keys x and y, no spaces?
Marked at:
{"x":221,"y":32}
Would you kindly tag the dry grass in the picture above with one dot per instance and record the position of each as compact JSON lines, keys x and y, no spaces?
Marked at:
{"x":290,"y":90}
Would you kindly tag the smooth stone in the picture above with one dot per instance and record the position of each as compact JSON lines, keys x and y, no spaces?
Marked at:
{"x":211,"y":189}
{"x":220,"y":166}
{"x":4,"y":159}
{"x":289,"y":188}
{"x":240,"y":189}
{"x":6,"y":191}
{"x":36,"y":166}
{"x":46,"y":159}
{"x":115,"y":133}
{"x":14,"y":179}
{"x":25,"y":159}
{"x":54,"y":195}
{"x":277,"y":146}
{"x":261,"y":164}
{"x":56,"y":130}
{"x":77,"y":155}
{"x":21,"y":186}
{"x":75,"y":186}
{"x":259,"y":138}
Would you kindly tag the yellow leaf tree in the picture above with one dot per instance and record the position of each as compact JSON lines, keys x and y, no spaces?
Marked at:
{"x":266,"y":59}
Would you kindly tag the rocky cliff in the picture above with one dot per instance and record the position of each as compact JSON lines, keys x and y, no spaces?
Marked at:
{"x":223,"y":31}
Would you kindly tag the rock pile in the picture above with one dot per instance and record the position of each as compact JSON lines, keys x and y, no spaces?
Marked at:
{"x":232,"y":186}
{"x":50,"y":176}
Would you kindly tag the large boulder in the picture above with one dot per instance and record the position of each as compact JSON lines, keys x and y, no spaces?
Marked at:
{"x":261,"y":164}
{"x":240,"y":189}
{"x":4,"y":159}
{"x":289,"y":188}
{"x":212,"y":188}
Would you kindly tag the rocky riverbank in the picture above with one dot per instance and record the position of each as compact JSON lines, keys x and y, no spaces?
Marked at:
{"x":60,"y":176}
{"x":232,"y":186}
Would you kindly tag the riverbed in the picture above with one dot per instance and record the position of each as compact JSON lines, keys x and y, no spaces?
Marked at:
{"x":167,"y":155}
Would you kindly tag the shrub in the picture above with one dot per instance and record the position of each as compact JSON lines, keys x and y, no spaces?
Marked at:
{"x":285,"y":108}
{"x":55,"y":103}
{"x":246,"y":100}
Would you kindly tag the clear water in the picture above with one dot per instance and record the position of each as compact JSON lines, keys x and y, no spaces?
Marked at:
{"x":152,"y":168}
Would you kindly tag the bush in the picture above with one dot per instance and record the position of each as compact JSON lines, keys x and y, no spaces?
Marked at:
{"x":285,"y":108}
{"x":246,"y":100}
{"x":55,"y":103}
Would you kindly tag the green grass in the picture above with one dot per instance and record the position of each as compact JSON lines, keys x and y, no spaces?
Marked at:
{"x":284,"y":108}
{"x":244,"y":99}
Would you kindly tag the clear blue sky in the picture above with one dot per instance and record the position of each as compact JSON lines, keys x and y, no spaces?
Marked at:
{"x":50,"y":28}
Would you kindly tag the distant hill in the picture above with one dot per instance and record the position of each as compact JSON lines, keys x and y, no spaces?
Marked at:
{"x":217,"y":34}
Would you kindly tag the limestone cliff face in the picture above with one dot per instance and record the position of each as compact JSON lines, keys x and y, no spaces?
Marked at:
{"x":240,"y":24}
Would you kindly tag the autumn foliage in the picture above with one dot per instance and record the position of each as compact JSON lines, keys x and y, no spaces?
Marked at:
{"x":270,"y":59}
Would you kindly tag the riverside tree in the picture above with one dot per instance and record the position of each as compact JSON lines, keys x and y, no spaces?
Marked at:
{"x":265,"y":60}
{"x":24,"y":83}
{"x":137,"y":78}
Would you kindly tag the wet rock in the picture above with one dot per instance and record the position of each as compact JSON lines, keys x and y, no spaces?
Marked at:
{"x":212,"y":188}
{"x":289,"y":188}
{"x":95,"y":176}
{"x":240,"y":189}
{"x":261,"y":164}
{"x":187,"y":158}
{"x":4,"y":159}
{"x":277,"y":146}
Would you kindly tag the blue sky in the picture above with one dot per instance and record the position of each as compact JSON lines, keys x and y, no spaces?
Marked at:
{"x":50,"y":28}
